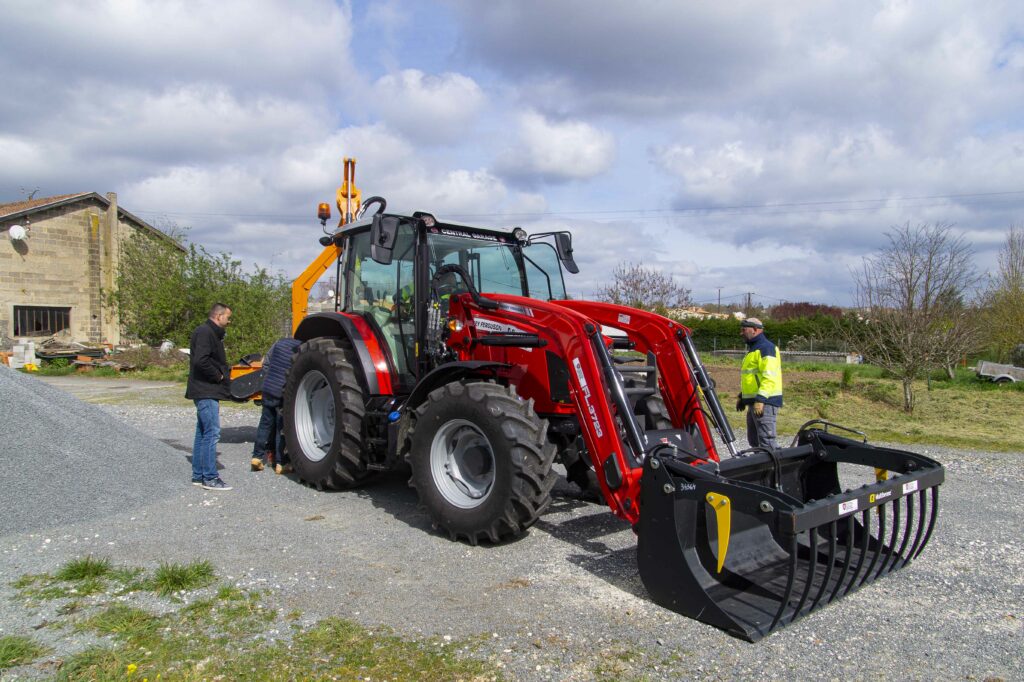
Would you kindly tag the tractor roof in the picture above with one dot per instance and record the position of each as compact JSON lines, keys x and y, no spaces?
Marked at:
{"x":448,"y":228}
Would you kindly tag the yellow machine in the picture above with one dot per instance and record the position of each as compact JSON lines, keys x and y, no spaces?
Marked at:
{"x":246,"y":377}
{"x":349,"y":199}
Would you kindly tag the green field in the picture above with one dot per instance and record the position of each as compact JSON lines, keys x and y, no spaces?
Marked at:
{"x":965,"y":412}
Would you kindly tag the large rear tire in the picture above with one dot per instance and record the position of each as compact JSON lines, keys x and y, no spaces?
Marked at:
{"x":481,"y":462}
{"x":323,"y":416}
{"x":653,"y":414}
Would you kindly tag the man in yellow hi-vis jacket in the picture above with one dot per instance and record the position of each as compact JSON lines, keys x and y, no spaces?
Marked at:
{"x":760,"y":385}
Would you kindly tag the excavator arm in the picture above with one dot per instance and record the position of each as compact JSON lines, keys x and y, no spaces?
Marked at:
{"x":348,"y":198}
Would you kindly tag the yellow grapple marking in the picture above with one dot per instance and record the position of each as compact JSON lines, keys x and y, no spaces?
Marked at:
{"x":723,"y":515}
{"x":881,"y":475}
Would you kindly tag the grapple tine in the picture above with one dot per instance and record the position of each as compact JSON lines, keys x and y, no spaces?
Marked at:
{"x":887,"y":562}
{"x":931,"y":521}
{"x":865,"y":535}
{"x":850,"y":528}
{"x":790,"y":581}
{"x":812,"y":567}
{"x":829,"y":566}
{"x":921,"y":514}
{"x":879,"y":544}
{"x":901,"y":556}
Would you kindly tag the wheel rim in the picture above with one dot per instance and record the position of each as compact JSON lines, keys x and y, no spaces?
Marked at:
{"x":462,"y":463}
{"x":314,"y":416}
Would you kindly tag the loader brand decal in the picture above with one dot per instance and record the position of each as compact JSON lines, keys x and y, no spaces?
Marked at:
{"x":847,"y":507}
{"x":624,"y":319}
{"x":586,"y":397}
{"x":468,"y":235}
{"x":490,"y":326}
{"x":512,"y":307}
{"x":873,"y":497}
{"x":909,"y":487}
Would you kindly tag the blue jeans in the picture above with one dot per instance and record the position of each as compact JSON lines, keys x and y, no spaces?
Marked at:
{"x":268,"y":432}
{"x":204,"y":449}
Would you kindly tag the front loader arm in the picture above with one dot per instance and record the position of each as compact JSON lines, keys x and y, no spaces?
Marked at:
{"x":680,"y":383}
{"x":578,"y":341}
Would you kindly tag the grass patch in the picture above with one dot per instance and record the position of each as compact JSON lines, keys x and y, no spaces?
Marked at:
{"x":336,"y":648}
{"x":957,"y":413}
{"x":85,"y":567}
{"x":176,"y":372}
{"x":230,"y":635}
{"x":171,"y":578}
{"x":19,"y":650}
{"x":122,"y":621}
{"x":962,"y":412}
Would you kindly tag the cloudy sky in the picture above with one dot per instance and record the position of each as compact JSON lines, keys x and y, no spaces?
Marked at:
{"x":739,"y":147}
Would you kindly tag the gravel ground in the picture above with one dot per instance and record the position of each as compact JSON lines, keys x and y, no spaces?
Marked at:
{"x":111,"y":478}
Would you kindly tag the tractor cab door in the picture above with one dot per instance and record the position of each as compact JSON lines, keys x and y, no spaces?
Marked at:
{"x":383,"y":295}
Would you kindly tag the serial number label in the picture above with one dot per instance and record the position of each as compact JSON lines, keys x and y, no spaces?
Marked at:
{"x":909,"y":487}
{"x":847,"y":507}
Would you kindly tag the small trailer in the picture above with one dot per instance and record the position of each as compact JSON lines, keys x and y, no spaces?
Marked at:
{"x":1001,"y":374}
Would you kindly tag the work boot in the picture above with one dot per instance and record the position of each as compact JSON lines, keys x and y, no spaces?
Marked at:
{"x":256,"y":464}
{"x":283,"y":469}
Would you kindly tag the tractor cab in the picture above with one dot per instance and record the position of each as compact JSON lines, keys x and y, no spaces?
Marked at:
{"x":399,"y":273}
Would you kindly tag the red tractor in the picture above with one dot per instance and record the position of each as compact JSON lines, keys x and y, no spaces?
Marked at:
{"x":454,"y":349}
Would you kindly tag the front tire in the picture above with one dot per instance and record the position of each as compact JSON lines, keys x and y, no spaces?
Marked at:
{"x":323,"y":416}
{"x":481,"y":462}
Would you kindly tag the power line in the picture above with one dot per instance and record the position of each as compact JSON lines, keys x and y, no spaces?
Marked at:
{"x":837,"y":206}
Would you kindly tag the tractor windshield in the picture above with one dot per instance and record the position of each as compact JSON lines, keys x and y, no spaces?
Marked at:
{"x":501,"y":268}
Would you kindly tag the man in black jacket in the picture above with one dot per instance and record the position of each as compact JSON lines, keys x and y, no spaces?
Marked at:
{"x":208,"y":380}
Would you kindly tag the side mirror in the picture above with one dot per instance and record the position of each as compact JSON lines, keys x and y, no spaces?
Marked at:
{"x":383,"y":234}
{"x":563,"y":245}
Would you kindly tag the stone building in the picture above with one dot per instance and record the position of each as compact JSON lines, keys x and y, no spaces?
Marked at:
{"x":58,"y":258}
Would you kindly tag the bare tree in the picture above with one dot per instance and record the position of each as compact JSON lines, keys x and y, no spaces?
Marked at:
{"x":912,"y":295}
{"x":641,"y":287}
{"x":1004,"y":298}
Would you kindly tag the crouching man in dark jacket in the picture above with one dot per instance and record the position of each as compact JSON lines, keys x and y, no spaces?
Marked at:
{"x":208,"y":383}
{"x":276,"y":364}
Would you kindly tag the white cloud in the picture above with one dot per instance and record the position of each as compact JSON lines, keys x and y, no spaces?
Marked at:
{"x":716,"y":174}
{"x":208,"y":190}
{"x":256,"y":46}
{"x":428,"y":109}
{"x":557,"y":150}
{"x":802,"y":131}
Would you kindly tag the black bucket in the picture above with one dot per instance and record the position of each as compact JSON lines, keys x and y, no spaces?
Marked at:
{"x":756,"y":542}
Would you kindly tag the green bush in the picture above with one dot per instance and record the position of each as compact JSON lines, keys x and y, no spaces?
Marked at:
{"x":165,"y":293}
{"x":820,"y":333}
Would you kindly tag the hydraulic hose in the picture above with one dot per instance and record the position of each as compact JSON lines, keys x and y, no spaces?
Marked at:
{"x":708,"y":389}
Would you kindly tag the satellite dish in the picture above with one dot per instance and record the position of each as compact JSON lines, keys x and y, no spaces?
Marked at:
{"x":18,"y":232}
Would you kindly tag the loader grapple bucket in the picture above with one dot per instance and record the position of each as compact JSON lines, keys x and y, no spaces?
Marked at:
{"x":769,"y":538}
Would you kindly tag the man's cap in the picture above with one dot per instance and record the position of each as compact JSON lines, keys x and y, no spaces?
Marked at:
{"x":752,"y":322}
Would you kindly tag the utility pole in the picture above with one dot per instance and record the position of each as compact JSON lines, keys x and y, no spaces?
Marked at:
{"x":719,"y":299}
{"x":749,"y":294}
